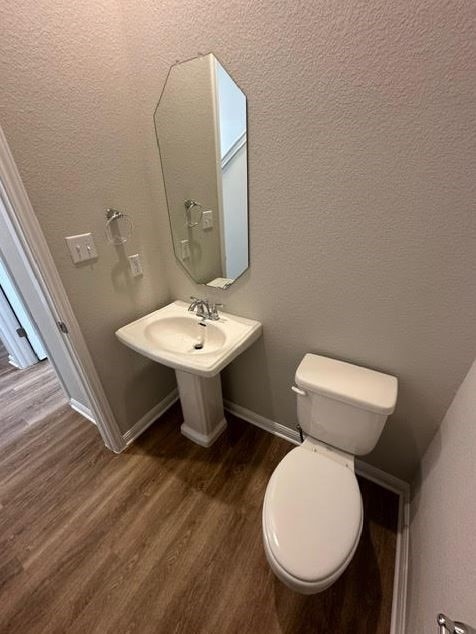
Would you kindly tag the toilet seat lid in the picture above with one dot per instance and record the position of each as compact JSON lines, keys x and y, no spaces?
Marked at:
{"x":312,"y":514}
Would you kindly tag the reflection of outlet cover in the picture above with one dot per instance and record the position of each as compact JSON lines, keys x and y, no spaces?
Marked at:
{"x":82,"y":247}
{"x":207,"y":219}
{"x":135,"y":264}
{"x":184,"y":249}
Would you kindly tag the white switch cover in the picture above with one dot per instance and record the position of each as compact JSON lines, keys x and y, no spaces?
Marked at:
{"x":82,"y":247}
{"x":207,"y":219}
{"x":184,"y":249}
{"x":135,"y":264}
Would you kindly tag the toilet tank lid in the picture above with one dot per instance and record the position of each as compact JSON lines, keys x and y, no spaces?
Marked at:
{"x":353,"y":384}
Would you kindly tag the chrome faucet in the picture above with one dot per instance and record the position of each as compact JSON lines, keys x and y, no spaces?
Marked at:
{"x":204,"y":309}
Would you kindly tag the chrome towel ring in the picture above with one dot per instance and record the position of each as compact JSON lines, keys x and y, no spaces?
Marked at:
{"x":189,"y":205}
{"x":447,"y":626}
{"x":118,"y":227}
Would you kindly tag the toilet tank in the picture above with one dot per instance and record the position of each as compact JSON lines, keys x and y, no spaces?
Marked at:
{"x":342,"y":404}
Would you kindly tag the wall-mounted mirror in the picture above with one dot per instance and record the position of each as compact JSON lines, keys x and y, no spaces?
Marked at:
{"x":200,"y":122}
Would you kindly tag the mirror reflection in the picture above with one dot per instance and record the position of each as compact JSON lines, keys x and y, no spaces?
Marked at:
{"x":200,"y":123}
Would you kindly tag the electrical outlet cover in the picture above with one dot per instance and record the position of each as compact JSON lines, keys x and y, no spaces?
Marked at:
{"x":135,"y":264}
{"x":207,"y":219}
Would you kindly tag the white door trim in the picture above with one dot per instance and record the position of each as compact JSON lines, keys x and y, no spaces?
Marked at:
{"x":21,"y":353}
{"x":30,"y":236}
{"x":17,"y":303}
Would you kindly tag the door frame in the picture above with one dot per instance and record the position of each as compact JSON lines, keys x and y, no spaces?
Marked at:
{"x":31,"y":240}
{"x":20,"y":352}
{"x":17,"y":302}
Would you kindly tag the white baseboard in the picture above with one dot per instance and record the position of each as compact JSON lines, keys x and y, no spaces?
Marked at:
{"x":386,"y":480}
{"x":13,"y":362}
{"x":263,"y":423}
{"x":400,"y":580}
{"x":82,"y":409}
{"x":152,"y":415}
{"x":402,"y":489}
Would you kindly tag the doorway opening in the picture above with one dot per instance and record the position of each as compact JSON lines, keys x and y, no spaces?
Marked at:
{"x":27,"y":396}
{"x":35,"y":379}
{"x":32,"y":272}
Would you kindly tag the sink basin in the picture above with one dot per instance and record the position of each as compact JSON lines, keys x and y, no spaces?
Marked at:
{"x":172,"y":335}
{"x":183,"y":335}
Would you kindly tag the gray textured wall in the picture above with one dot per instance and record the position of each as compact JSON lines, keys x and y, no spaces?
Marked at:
{"x":442,"y":567}
{"x":67,"y":109}
{"x":361,"y":185}
{"x":362,"y":221}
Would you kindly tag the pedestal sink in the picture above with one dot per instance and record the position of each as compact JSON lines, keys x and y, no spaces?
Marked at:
{"x":197,"y":350}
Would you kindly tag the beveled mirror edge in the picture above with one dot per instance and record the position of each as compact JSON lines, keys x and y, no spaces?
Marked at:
{"x":181,"y":265}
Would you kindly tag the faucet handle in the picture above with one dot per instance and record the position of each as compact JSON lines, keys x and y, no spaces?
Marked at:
{"x":214,"y":311}
{"x":194,"y":304}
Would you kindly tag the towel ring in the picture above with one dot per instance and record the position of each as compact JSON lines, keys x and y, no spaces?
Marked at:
{"x":118,"y":227}
{"x":189,"y":205}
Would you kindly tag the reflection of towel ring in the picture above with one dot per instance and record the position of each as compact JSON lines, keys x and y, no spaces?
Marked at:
{"x":118,"y":226}
{"x":189,"y":205}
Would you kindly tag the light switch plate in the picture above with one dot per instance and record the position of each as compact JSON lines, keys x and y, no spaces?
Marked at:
{"x":82,"y":247}
{"x":207,"y":219}
{"x":136,"y":265}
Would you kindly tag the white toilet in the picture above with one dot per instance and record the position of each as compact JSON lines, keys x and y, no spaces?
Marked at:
{"x":312,"y":512}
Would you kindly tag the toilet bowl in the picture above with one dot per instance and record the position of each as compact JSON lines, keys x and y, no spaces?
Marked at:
{"x":312,"y":517}
{"x":312,"y":510}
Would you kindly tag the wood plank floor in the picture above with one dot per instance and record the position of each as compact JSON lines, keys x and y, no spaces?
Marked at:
{"x":26,"y":396}
{"x":165,"y":538}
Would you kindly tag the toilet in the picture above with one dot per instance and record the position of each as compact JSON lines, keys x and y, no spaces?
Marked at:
{"x":312,"y":511}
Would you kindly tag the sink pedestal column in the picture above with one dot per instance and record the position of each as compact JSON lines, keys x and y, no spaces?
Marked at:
{"x":202,"y":406}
